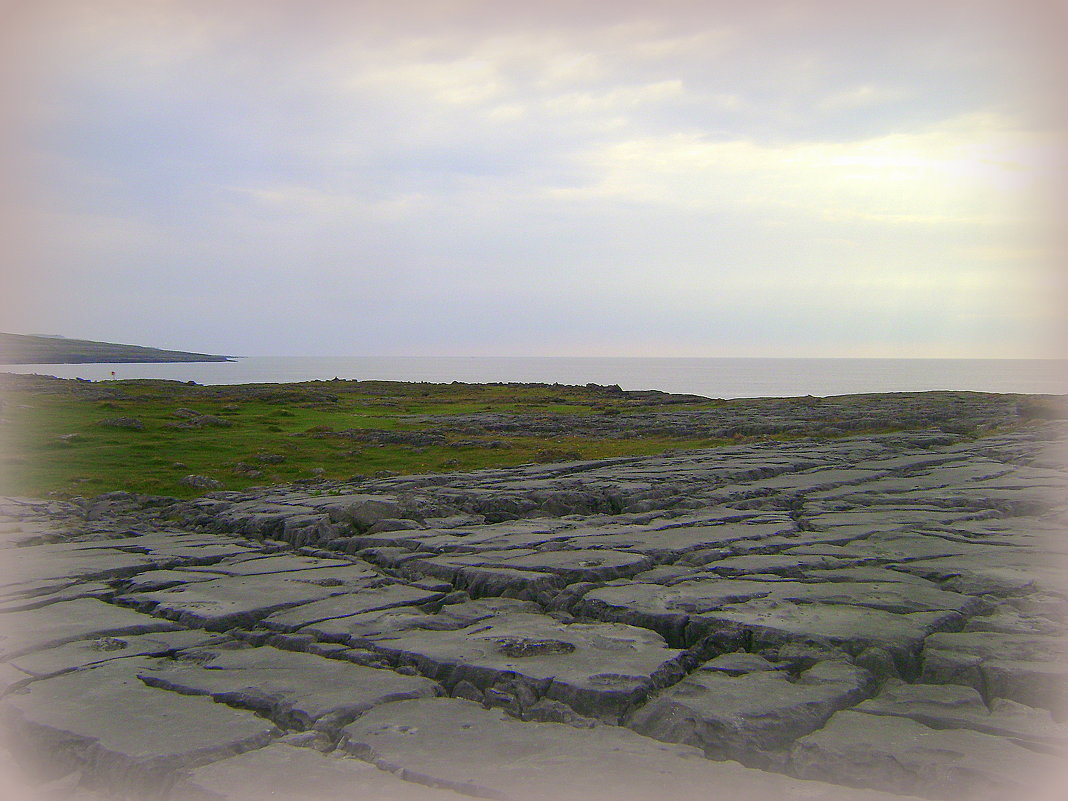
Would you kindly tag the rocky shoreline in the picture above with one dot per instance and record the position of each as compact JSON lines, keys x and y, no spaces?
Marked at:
{"x":871,"y":617}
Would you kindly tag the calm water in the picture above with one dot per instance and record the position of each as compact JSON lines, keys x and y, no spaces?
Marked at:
{"x":714,"y":378}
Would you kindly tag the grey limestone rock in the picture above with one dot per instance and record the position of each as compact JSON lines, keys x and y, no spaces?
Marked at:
{"x":130,"y":423}
{"x":295,"y":690}
{"x":137,"y":752}
{"x":598,"y":669}
{"x":752,"y":716}
{"x":200,"y":482}
{"x":456,"y":744}
{"x":901,"y":755}
{"x":951,"y":706}
{"x":1029,"y":668}
{"x":68,"y":621}
{"x":287,"y":771}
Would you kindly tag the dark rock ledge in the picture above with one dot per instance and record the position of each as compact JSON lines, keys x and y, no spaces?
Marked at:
{"x":867,"y":618}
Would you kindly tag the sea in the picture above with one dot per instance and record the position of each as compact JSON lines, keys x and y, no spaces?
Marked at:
{"x":708,"y":377}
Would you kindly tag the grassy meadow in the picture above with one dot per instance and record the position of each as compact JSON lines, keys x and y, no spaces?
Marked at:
{"x":75,"y":438}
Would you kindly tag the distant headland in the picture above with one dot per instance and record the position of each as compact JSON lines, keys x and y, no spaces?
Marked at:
{"x":30,"y":349}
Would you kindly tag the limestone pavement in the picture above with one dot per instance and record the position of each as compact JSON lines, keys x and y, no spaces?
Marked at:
{"x":870,"y":617}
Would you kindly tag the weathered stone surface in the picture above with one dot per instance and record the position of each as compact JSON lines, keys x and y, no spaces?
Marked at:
{"x":598,"y":669}
{"x":286,"y":771}
{"x":739,"y":662}
{"x":54,"y":593}
{"x":82,"y":619}
{"x":261,"y":565}
{"x":377,"y":596}
{"x":138,"y":748}
{"x":668,"y":609}
{"x":452,"y":743}
{"x":225,"y":602}
{"x":790,"y":565}
{"x":890,"y":596}
{"x":949,"y":706}
{"x":151,"y":580}
{"x":360,"y":510}
{"x":71,"y":561}
{"x":1029,"y":668}
{"x":902,"y":756}
{"x":86,"y":652}
{"x":571,"y":565}
{"x":752,"y":716}
{"x":296,"y":690}
{"x":766,"y":623}
{"x":672,"y":540}
{"x":376,"y":626}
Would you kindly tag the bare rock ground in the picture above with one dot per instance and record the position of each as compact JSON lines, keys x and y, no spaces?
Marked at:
{"x":872,"y":617}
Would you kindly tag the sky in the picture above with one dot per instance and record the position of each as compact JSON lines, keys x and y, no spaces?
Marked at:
{"x":465,"y":177}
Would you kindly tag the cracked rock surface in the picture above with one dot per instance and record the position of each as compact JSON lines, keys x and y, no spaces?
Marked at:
{"x":871,"y":617}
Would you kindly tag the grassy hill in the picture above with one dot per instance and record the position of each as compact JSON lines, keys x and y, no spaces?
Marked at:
{"x":26,"y":349}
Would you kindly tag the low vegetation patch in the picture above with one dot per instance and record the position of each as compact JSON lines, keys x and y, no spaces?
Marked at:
{"x":72,"y":437}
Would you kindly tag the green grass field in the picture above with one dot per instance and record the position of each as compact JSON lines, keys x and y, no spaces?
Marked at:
{"x":253,"y":435}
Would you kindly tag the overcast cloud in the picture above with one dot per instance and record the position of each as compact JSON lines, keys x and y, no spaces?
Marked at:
{"x":470,"y":177}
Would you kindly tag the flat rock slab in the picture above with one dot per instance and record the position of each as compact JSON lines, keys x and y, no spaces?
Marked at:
{"x":951,"y":706}
{"x":457,"y":744}
{"x":82,"y":653}
{"x":866,"y":520}
{"x":259,"y":565}
{"x":25,"y":567}
{"x":766,"y":623}
{"x":674,"y":541}
{"x":667,"y":609}
{"x":598,"y":669}
{"x":57,"y":593}
{"x":789,"y":565}
{"x":750,"y":717}
{"x":189,"y":548}
{"x":226,"y":602}
{"x":910,"y":546}
{"x":296,"y":690}
{"x":285,"y":771}
{"x":738,"y":662}
{"x":866,"y":574}
{"x":570,"y":565}
{"x":1029,"y":668}
{"x":478,"y":580}
{"x":152,"y":580}
{"x":80,"y":619}
{"x":377,"y":596}
{"x":1003,"y":572}
{"x":11,"y":676}
{"x":902,"y":756}
{"x":890,"y":596}
{"x":377,"y":626}
{"x":137,"y":748}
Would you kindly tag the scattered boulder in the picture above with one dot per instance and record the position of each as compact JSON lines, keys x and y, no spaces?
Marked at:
{"x":128,"y":423}
{"x":200,"y":482}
